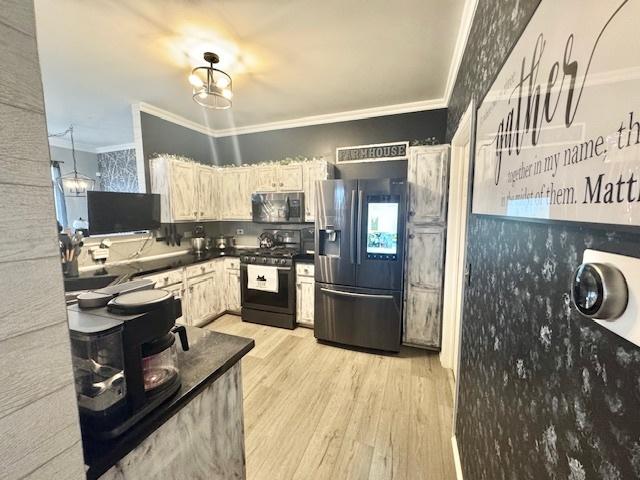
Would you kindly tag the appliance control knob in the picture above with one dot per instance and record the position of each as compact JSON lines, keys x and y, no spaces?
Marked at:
{"x":265,"y":260}
{"x":253,"y":259}
{"x":283,"y":261}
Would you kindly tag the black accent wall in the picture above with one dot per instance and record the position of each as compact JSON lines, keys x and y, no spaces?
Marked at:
{"x":544,"y":393}
{"x":161,"y":136}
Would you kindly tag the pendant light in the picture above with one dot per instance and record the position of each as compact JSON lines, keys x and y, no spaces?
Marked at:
{"x":73,"y":184}
{"x":211,"y":86}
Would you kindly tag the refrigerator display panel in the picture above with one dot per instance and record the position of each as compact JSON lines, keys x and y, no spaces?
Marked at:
{"x":382,"y":231}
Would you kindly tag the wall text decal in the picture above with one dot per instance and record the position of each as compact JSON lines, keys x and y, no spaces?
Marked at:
{"x":558,"y":133}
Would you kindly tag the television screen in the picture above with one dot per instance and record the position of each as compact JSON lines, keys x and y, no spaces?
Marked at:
{"x":117,"y":212}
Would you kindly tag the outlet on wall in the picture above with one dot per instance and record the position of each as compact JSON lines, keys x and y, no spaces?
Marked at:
{"x":239,"y":231}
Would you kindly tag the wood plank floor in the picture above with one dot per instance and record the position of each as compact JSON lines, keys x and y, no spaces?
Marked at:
{"x":314,"y":411}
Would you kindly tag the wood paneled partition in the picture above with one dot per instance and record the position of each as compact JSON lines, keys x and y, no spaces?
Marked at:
{"x":39,"y":431}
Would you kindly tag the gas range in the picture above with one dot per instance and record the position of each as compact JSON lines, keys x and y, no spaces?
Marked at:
{"x":278,"y":256}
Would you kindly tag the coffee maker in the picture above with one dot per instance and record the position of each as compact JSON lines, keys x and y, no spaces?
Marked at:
{"x":124,"y":356}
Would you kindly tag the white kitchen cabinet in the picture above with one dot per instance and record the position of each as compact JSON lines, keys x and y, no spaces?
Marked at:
{"x":290,"y":177}
{"x":208,"y":193}
{"x":237,"y":185}
{"x":313,"y":171}
{"x":232,"y":290}
{"x":305,"y":294}
{"x":183,"y":191}
{"x":266,"y":178}
{"x":201,"y":299}
{"x":427,"y":177}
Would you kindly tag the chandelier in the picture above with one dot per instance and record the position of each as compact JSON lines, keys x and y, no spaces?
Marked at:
{"x":211,"y":86}
{"x":73,"y":184}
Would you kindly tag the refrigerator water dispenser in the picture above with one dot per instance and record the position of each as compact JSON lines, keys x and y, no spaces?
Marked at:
{"x":329,"y":242}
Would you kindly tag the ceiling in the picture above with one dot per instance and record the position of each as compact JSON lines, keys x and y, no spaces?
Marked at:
{"x":288,"y":58}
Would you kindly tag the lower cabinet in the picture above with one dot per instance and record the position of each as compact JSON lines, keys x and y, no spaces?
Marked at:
{"x":422,"y":317}
{"x":201,"y":300}
{"x":305,"y":294}
{"x":232,"y":286}
{"x":178,"y":292}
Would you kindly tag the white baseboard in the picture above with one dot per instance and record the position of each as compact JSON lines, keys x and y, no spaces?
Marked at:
{"x":456,"y":458}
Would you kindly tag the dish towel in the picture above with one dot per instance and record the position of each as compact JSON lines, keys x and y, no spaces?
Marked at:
{"x":262,"y":277}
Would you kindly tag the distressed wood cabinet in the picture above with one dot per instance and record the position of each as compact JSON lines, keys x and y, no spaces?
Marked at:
{"x":427,"y":178}
{"x":237,"y":185}
{"x":305,"y":294}
{"x":208,"y":193}
{"x":289,"y":177}
{"x":313,"y":171}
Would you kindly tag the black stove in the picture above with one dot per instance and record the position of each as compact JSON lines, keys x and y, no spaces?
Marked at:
{"x":278,"y":256}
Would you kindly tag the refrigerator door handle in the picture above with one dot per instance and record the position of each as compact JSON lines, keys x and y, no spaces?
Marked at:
{"x":357,"y":295}
{"x":359,"y":229}
{"x":352,"y":245}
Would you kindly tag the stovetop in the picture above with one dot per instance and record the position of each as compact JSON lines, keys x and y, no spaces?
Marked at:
{"x":279,"y":256}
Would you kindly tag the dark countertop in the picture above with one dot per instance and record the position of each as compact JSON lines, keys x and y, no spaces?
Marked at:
{"x":109,"y":273}
{"x":210,"y":355}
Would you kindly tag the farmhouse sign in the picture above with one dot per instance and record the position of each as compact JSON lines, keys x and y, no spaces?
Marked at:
{"x":369,"y":153}
{"x":558,"y":134}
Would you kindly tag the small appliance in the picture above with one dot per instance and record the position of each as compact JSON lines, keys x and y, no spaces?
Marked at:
{"x":223,"y":242}
{"x":359,"y":241}
{"x":278,"y":248}
{"x":124,"y":356}
{"x":278,"y":207}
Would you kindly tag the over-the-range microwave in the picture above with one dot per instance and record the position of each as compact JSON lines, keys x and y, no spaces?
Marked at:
{"x":278,"y":207}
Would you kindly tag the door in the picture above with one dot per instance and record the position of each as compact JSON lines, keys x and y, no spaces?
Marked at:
{"x":381,"y":230}
{"x":246,"y":183}
{"x":200,"y":293}
{"x":311,"y":172}
{"x":183,"y":191}
{"x":266,"y":179}
{"x":423,"y":321}
{"x":233,"y":290}
{"x":208,"y":193}
{"x":357,"y":316}
{"x":281,"y":302}
{"x":427,"y":178}
{"x":290,"y":178}
{"x":334,"y":236}
{"x":305,"y":298}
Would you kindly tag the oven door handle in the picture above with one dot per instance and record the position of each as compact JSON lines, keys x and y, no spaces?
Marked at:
{"x":358,"y":295}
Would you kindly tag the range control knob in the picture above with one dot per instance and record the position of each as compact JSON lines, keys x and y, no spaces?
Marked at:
{"x":253,"y":259}
{"x":283,"y":262}
{"x":265,"y":260}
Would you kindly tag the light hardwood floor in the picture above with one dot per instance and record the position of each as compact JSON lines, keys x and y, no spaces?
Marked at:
{"x":314,"y":411}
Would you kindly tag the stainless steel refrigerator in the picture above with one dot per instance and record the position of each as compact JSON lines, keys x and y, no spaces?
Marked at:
{"x":359,"y":237}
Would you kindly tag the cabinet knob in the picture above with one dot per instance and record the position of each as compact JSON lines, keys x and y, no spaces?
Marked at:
{"x":411,"y":213}
{"x":201,"y":213}
{"x":281,"y":184}
{"x":411,"y":235}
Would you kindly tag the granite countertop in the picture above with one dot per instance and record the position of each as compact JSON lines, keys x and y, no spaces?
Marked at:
{"x":134,"y":269}
{"x":210,"y":355}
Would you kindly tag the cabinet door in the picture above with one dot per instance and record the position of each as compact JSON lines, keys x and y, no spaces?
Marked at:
{"x":178,"y":292}
{"x":311,"y":172}
{"x":424,"y":267}
{"x":422,"y":317}
{"x":246,"y":181}
{"x":266,"y":179}
{"x":200,"y":293}
{"x":183,"y":191}
{"x":305,"y":300}
{"x":228,"y":193}
{"x":427,"y":177}
{"x":232,"y":290}
{"x":207,"y":193}
{"x":290,"y":178}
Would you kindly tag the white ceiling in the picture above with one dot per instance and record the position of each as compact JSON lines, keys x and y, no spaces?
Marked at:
{"x":288,"y":58}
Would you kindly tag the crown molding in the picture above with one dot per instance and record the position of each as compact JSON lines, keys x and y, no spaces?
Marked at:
{"x":468,"y":13}
{"x":65,"y":143}
{"x":115,"y":148}
{"x":173,"y":118}
{"x":293,"y":123}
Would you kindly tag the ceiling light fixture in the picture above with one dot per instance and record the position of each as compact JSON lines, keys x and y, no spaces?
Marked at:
{"x":73,"y":184}
{"x":212,"y":87}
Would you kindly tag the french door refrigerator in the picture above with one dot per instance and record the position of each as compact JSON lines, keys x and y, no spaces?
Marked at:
{"x":359,"y":237}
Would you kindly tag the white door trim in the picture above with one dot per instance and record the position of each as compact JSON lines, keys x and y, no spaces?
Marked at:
{"x":456,"y":458}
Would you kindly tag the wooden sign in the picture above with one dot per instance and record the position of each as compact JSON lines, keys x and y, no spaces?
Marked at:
{"x":371,"y":153}
{"x":558,"y":134}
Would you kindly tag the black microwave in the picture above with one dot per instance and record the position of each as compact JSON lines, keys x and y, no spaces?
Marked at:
{"x":278,"y":207}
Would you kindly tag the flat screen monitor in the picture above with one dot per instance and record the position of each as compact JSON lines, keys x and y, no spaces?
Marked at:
{"x":382,"y":230}
{"x":118,"y":212}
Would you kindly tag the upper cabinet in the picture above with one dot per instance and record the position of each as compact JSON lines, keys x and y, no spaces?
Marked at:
{"x":193,"y":192}
{"x":278,"y":178}
{"x":312,"y":172}
{"x":427,"y":177}
{"x":188,"y":191}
